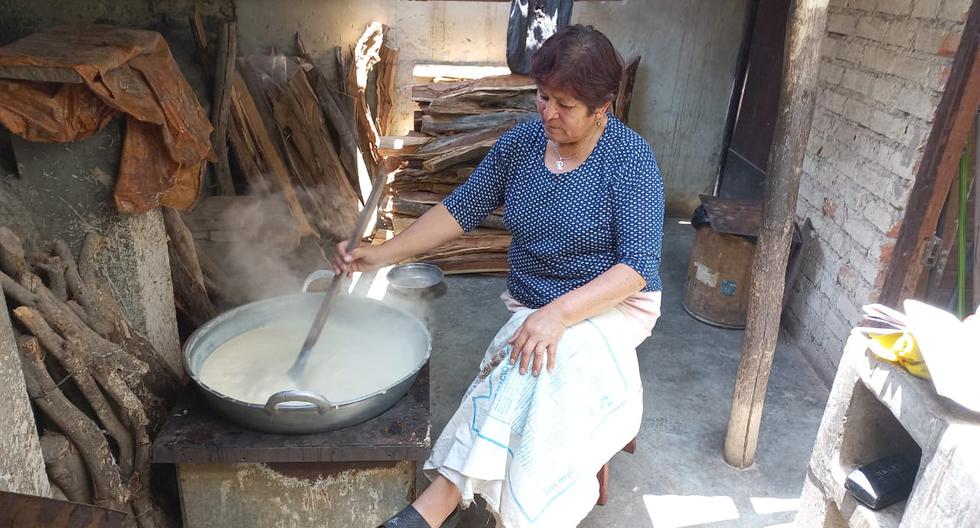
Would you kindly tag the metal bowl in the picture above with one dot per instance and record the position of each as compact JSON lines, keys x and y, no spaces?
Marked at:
{"x":302,"y":412}
{"x":415,"y":275}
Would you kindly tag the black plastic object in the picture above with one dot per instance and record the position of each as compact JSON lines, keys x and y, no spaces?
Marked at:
{"x":531,"y":23}
{"x":883,"y":482}
{"x":700,"y":217}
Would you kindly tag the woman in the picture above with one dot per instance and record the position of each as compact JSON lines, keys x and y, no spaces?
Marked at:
{"x":558,"y":393}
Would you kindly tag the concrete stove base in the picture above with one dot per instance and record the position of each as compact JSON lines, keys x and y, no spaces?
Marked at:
{"x":349,"y":494}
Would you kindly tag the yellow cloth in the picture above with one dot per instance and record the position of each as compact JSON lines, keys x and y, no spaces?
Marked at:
{"x":902,"y":349}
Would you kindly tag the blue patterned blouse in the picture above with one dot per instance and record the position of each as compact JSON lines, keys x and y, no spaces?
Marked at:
{"x":568,"y":228}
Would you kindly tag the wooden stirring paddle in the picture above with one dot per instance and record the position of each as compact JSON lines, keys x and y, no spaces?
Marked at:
{"x":299,"y":366}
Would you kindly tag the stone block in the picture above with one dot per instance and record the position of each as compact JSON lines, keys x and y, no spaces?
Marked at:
{"x":21,"y":465}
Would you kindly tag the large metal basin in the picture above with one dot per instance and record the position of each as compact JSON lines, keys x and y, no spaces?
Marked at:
{"x":302,"y":412}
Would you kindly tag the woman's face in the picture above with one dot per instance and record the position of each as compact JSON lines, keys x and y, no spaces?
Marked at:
{"x":565,"y":118}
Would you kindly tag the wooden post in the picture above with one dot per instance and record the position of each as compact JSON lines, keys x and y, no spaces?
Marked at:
{"x":807,"y":26}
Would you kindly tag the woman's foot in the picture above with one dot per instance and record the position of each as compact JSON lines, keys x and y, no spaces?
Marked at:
{"x":409,"y":517}
{"x":437,"y":507}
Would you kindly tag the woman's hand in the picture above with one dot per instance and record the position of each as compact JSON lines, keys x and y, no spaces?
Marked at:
{"x":538,"y":336}
{"x":363,"y":258}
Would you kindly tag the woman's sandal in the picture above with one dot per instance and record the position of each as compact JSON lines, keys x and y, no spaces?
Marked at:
{"x":409,"y":517}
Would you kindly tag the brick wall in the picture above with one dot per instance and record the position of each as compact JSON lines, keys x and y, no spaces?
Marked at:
{"x":884,"y":66}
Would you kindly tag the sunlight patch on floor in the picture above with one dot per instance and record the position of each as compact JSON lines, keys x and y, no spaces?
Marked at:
{"x":679,"y":511}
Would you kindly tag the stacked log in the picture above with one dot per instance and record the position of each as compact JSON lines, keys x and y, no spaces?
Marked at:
{"x":101,"y":387}
{"x":456,"y":125}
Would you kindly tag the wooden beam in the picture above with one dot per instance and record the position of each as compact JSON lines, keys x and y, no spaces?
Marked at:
{"x":807,"y":27}
{"x":955,"y":116}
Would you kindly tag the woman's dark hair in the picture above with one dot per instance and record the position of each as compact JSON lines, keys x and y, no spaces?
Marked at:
{"x":581,"y":60}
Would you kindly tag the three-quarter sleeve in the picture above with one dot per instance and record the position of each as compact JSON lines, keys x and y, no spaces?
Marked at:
{"x":638,"y":202}
{"x":483,"y":191}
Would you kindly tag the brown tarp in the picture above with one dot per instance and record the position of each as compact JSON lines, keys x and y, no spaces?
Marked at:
{"x":124,"y":72}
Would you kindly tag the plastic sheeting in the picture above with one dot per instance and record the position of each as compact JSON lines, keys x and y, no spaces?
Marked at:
{"x":125,"y":72}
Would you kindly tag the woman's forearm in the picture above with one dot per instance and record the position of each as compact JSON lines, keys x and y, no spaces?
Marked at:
{"x":598,"y":295}
{"x":434,"y":228}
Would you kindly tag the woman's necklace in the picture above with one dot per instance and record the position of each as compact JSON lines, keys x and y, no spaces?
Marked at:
{"x":560,"y":164}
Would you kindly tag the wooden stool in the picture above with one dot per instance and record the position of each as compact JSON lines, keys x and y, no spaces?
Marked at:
{"x":603,"y":476}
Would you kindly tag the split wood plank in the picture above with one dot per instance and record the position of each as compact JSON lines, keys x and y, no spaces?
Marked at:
{"x":426,"y":93}
{"x":401,"y":222}
{"x":475,"y":263}
{"x":484,"y":101}
{"x":221,"y":103}
{"x":315,"y":164}
{"x":387,"y":66}
{"x":365,"y":56}
{"x":338,"y":108}
{"x":807,"y":26}
{"x":401,"y":145}
{"x":437,"y":124}
{"x":455,"y":156}
{"x":258,"y":156}
{"x":625,"y":95}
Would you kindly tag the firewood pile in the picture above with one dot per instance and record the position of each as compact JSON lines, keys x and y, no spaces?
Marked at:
{"x":456,"y":125}
{"x":100,"y":387}
{"x":296,"y":149}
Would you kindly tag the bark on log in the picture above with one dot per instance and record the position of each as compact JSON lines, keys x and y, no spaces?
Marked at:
{"x":13,"y":259}
{"x":190,"y":293}
{"x":315,"y":163}
{"x":54,"y":270}
{"x":65,"y":467}
{"x":257,"y":154}
{"x":77,"y":368}
{"x":460,"y":155}
{"x":386,"y":87}
{"x":808,"y":22}
{"x":437,"y":124}
{"x":107,"y":486}
{"x":366,"y":55}
{"x":338,"y":108}
{"x":221,"y":103}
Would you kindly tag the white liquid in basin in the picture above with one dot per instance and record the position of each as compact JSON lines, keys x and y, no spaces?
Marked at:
{"x":345,"y":364}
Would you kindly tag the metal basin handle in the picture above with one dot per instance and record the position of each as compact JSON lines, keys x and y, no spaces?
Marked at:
{"x":315,"y":276}
{"x":279,"y":398}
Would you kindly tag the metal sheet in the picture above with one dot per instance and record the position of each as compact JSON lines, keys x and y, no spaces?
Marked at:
{"x":17,"y":510}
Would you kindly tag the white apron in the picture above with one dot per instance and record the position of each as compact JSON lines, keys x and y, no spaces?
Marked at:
{"x":531,"y":446}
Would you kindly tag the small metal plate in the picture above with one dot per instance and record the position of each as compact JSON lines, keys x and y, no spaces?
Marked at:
{"x":415,"y":275}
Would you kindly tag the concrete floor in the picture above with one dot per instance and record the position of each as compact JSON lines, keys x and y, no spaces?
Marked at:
{"x":677,"y":478}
